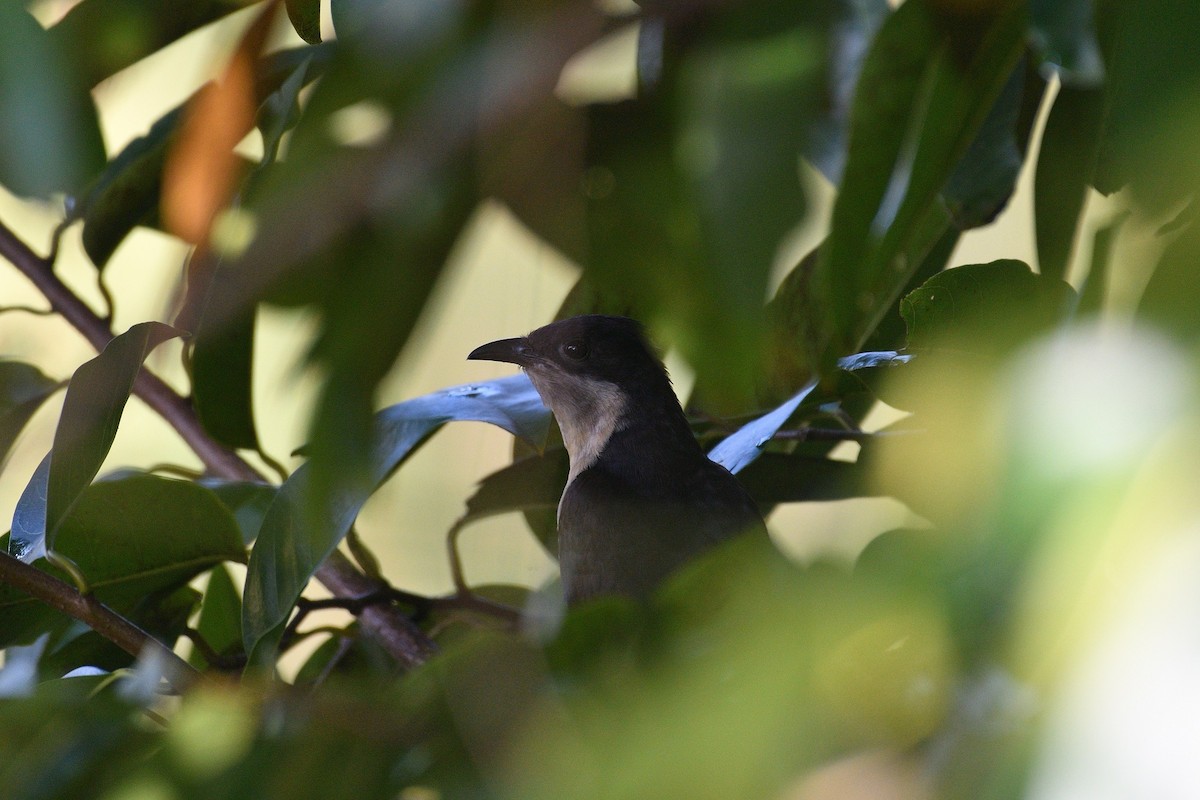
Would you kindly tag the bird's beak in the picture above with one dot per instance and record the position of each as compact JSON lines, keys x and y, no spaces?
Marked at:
{"x":513,"y":351}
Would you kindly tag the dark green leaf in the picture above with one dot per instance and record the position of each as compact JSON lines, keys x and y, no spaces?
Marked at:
{"x":220,"y":616}
{"x":984,"y":179}
{"x":1065,"y":168}
{"x":1063,"y":33}
{"x":296,"y":536}
{"x":280,"y":110}
{"x":91,"y":413}
{"x":875,"y":245}
{"x":305,"y":16}
{"x":882,"y":117}
{"x":49,"y":133}
{"x":983,"y":305}
{"x":126,"y":193}
{"x":23,"y":389}
{"x":222,"y":379}
{"x":132,"y":538}
{"x":1152,"y":85}
{"x":105,"y":36}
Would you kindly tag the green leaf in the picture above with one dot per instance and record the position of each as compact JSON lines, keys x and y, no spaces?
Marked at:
{"x":220,"y":616}
{"x":305,"y":16}
{"x":127,"y":192}
{"x":296,"y":536}
{"x":23,"y":389}
{"x":50,"y":137}
{"x":280,"y":110}
{"x":132,"y":538}
{"x":222,"y":379}
{"x":1065,"y":169}
{"x":988,"y":306}
{"x":91,"y":413}
{"x":248,"y":502}
{"x":875,"y":245}
{"x":984,"y":178}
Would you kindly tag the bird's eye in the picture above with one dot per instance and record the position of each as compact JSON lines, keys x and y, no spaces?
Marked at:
{"x":575,"y":349}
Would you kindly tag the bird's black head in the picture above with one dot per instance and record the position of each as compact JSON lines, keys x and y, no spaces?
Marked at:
{"x":595,"y":373}
{"x":612,"y":349}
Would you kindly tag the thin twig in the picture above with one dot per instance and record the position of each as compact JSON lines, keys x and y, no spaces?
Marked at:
{"x":87,"y":609}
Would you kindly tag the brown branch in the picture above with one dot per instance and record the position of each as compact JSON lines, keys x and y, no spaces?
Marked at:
{"x":63,"y":597}
{"x":403,"y":640}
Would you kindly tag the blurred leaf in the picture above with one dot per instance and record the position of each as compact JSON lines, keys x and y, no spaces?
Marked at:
{"x":90,"y":417}
{"x":220,"y":616}
{"x":1153,"y":75}
{"x":296,"y":536}
{"x":132,"y":538}
{"x":989,"y":305}
{"x":1095,"y":284}
{"x":1169,"y":299}
{"x":1065,"y":169}
{"x":248,"y":502}
{"x":1063,"y":33}
{"x":105,"y":36}
{"x":201,"y":170}
{"x":127,"y":192}
{"x":279,"y":110}
{"x":23,"y":389}
{"x":305,"y":16}
{"x":50,"y":138}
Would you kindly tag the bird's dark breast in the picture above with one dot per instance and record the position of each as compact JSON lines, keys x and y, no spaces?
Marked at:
{"x":615,"y":539}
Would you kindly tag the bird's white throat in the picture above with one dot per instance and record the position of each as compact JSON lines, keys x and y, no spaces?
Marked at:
{"x":588,"y":412}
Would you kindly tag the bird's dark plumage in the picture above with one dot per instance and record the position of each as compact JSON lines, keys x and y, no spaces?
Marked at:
{"x":642,"y":498}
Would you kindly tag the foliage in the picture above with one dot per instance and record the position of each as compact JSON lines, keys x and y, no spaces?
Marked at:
{"x":1042,"y":448}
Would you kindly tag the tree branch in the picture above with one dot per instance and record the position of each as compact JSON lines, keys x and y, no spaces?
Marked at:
{"x":403,"y":640}
{"x":87,"y":609}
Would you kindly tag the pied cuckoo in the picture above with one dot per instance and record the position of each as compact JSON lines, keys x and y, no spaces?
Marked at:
{"x":641,"y":497}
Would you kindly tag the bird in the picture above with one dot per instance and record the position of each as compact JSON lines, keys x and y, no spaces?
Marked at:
{"x":641,"y":497}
